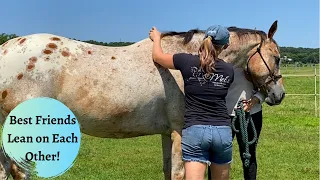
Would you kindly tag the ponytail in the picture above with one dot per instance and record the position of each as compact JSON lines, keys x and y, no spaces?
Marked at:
{"x":208,"y":55}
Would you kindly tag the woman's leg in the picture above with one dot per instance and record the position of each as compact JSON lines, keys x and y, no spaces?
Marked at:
{"x":250,"y":173}
{"x":220,"y":171}
{"x":210,"y":169}
{"x":221,"y":153}
{"x":195,"y":151}
{"x":195,"y":170}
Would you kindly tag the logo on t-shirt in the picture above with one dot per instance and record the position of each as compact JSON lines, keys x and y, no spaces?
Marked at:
{"x":216,"y":79}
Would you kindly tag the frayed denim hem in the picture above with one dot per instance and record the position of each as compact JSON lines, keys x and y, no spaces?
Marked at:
{"x":197,"y":160}
{"x":229,"y":162}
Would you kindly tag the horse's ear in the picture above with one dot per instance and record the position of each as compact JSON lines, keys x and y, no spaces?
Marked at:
{"x":273,"y":29}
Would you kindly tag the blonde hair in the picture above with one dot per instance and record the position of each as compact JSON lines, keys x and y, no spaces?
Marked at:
{"x":208,"y":53}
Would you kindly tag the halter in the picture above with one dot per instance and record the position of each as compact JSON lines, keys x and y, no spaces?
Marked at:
{"x":271,"y":76}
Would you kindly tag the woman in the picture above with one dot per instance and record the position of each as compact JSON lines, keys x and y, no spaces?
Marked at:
{"x":206,"y":135}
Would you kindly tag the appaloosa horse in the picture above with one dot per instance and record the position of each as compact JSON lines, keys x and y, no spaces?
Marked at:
{"x":119,"y":92}
{"x":9,"y":167}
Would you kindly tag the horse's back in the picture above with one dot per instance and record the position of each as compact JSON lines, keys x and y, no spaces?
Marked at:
{"x":113,"y":91}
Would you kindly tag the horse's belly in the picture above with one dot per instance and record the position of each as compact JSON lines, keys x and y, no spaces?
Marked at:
{"x":132,"y":124}
{"x":102,"y":118}
{"x":113,"y":105}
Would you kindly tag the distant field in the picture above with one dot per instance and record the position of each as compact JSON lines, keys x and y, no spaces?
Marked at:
{"x":291,"y":69}
{"x":287,"y":150}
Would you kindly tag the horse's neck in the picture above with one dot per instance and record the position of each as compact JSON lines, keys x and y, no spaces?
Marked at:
{"x":239,"y":51}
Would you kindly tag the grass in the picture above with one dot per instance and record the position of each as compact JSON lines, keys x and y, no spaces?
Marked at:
{"x":288,"y":147}
{"x":291,"y":69}
{"x":300,"y":85}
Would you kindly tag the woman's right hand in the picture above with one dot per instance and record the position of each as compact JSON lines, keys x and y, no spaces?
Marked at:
{"x":154,"y":34}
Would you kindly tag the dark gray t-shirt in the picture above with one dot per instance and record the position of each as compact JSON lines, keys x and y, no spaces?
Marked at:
{"x":204,"y":96}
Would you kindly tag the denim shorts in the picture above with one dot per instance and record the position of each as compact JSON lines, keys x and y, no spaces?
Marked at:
{"x":207,"y":144}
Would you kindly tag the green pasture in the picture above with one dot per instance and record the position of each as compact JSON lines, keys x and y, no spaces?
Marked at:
{"x":296,"y":70}
{"x":288,"y":147}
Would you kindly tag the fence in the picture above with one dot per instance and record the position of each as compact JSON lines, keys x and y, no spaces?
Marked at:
{"x":316,"y":112}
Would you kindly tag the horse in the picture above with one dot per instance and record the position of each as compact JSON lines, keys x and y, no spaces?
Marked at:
{"x":9,"y":167}
{"x":120,"y":92}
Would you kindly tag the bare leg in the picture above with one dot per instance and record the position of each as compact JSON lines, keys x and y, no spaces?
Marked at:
{"x":219,"y":172}
{"x":195,"y":170}
{"x":177,"y":163}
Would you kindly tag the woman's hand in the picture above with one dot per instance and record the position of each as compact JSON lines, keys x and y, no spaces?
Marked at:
{"x":154,"y":34}
{"x":247,"y":105}
{"x":165,"y":60}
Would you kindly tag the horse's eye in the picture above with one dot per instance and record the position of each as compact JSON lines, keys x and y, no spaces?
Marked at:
{"x":277,"y":58}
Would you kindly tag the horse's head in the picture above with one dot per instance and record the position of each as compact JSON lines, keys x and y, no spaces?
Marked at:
{"x":263,"y":68}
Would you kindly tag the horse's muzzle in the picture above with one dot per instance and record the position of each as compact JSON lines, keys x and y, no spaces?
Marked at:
{"x":275,"y":99}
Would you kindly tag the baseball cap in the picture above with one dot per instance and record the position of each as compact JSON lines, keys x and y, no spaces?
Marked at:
{"x":220,"y":35}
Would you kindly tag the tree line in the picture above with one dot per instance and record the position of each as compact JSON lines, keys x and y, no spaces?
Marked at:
{"x":288,"y":54}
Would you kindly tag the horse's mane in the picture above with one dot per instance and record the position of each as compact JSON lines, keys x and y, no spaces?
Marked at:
{"x":241,"y":32}
{"x":186,"y":35}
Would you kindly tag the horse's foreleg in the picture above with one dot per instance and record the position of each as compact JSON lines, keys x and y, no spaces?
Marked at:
{"x":166,"y":155}
{"x":177,"y":172}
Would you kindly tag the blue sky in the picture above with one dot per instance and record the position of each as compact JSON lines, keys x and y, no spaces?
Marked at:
{"x":131,"y":20}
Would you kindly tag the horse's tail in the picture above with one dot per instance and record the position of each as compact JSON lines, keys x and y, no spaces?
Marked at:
{"x":3,"y":114}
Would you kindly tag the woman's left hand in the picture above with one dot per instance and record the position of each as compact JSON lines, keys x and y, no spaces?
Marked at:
{"x":154,"y":34}
{"x":247,"y":105}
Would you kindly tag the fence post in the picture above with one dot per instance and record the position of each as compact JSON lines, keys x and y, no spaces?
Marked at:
{"x":315,"y":91}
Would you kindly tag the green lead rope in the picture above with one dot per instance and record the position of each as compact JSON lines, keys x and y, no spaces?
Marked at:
{"x":244,"y":119}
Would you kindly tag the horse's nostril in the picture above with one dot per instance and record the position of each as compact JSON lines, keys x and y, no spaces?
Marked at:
{"x":283,"y":95}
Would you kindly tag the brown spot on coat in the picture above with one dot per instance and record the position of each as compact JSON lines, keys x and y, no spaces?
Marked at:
{"x":47,"y":58}
{"x":52,"y":46}
{"x":55,"y":39}
{"x":65,"y":53}
{"x":124,"y":50}
{"x":4,"y":94}
{"x":4,"y":43}
{"x":5,"y":52}
{"x":33,"y":59}
{"x":22,"y":41}
{"x":113,"y":57}
{"x":19,"y":76}
{"x":30,"y":67}
{"x":81,"y":93}
{"x":95,"y":82}
{"x":47,"y":51}
{"x":153,"y":70}
{"x":19,"y":39}
{"x":89,"y":52}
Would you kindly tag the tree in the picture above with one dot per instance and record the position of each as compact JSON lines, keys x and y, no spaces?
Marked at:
{"x":301,"y":55}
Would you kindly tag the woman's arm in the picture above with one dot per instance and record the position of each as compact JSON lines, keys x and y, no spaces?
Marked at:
{"x":165,"y":60}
